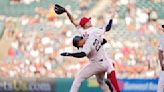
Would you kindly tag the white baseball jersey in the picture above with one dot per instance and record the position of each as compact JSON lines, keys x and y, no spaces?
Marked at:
{"x":93,"y":48}
{"x":91,"y":31}
{"x":95,"y":51}
{"x":161,"y":78}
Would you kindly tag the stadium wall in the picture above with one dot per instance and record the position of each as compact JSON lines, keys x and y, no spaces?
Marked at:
{"x":126,"y":85}
{"x":64,"y":84}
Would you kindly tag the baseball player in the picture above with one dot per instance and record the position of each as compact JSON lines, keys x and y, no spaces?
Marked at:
{"x":161,"y":59}
{"x":86,"y":29}
{"x":99,"y":63}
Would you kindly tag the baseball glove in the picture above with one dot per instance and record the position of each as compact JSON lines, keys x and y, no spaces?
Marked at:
{"x":59,"y":9}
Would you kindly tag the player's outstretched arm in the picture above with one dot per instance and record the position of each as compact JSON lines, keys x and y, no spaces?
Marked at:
{"x":104,"y":41}
{"x":60,"y":10}
{"x":71,"y":18}
{"x":76,"y":55}
{"x":109,"y":25}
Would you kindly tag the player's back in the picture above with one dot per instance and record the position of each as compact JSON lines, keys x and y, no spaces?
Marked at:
{"x":94,"y":49}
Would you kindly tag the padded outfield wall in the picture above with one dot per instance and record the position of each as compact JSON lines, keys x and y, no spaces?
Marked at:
{"x":64,"y":84}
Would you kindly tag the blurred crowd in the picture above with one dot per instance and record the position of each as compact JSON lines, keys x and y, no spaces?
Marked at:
{"x":23,"y":1}
{"x":34,"y":43}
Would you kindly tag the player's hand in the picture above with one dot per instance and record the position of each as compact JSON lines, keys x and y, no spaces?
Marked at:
{"x":113,"y":13}
{"x":65,"y":54}
{"x":104,"y":41}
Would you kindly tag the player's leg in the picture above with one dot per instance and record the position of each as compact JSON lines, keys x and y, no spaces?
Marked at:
{"x":101,"y":81}
{"x":81,"y":76}
{"x":160,"y":88}
{"x":111,"y":75}
{"x":160,"y":85}
{"x":161,"y":82}
{"x":108,"y":82}
{"x":86,"y":72}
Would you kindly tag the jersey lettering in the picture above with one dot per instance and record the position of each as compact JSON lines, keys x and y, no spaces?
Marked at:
{"x":97,"y":44}
{"x":85,"y":35}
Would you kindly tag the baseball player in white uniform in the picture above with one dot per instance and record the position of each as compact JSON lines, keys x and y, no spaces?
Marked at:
{"x":86,"y":29}
{"x":99,"y":63}
{"x":161,"y":59}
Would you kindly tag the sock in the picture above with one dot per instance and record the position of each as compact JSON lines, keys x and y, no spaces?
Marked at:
{"x":112,"y":77}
